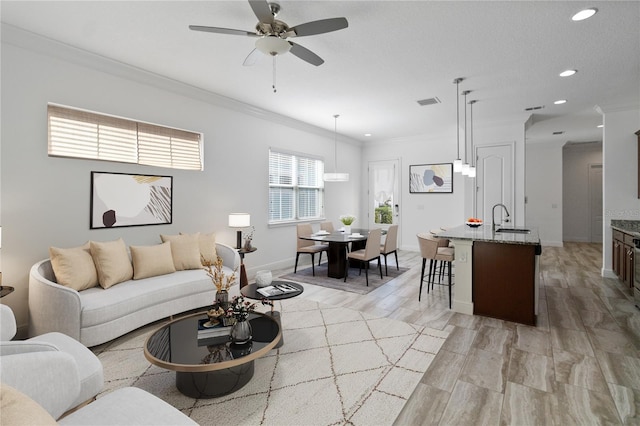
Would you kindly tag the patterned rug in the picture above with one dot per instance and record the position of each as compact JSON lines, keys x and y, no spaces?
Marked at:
{"x":337,"y":366}
{"x":355,"y":283}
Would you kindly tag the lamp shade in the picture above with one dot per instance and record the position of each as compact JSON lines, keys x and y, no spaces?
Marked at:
{"x":336,"y":177}
{"x":239,"y":220}
{"x":272,"y":45}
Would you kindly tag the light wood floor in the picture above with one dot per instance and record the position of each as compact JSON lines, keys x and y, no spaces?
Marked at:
{"x":579,"y":365}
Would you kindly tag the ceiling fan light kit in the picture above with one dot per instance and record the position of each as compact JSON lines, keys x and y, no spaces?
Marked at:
{"x":272,"y":45}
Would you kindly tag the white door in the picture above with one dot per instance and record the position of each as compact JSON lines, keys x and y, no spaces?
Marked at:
{"x":595,"y":202}
{"x":494,"y":182}
{"x":384,"y":196}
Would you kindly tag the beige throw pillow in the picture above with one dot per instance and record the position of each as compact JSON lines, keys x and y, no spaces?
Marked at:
{"x":207,"y":243}
{"x":112,"y":262}
{"x":18,"y":409}
{"x":185,"y":250}
{"x":149,"y":261}
{"x":74,"y":267}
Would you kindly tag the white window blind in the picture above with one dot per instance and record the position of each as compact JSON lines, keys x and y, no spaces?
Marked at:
{"x":296,"y":188}
{"x":82,"y":134}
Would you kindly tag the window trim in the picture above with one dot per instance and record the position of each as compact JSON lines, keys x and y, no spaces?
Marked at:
{"x":104,"y":137}
{"x":296,"y":219}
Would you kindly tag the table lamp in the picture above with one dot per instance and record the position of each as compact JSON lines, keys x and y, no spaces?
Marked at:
{"x":239,"y":220}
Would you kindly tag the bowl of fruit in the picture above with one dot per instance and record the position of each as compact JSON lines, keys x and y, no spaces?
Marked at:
{"x":474,"y":222}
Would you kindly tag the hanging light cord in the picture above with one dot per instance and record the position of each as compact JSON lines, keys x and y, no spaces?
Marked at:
{"x":465,"y":93}
{"x":335,"y":150}
{"x":471,"y":133}
{"x":457,"y":81}
{"x":274,"y":74}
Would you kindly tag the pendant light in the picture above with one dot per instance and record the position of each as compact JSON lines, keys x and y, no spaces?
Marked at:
{"x":472,"y":167}
{"x":335,"y":176}
{"x":465,"y":165}
{"x":457,"y":164}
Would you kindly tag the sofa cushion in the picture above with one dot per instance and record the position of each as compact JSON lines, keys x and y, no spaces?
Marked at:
{"x":99,"y":306}
{"x":74,"y":267}
{"x":207,"y":243}
{"x":150,"y":261}
{"x":185,"y":250}
{"x":18,"y":409}
{"x":112,"y":262}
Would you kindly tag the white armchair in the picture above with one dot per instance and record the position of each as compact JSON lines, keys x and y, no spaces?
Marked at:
{"x":90,"y":372}
{"x":50,"y":379}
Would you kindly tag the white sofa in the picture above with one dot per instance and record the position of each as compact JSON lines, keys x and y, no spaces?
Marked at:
{"x":96,"y":315}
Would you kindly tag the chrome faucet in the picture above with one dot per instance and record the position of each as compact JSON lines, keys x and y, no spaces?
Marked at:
{"x":493,"y":215}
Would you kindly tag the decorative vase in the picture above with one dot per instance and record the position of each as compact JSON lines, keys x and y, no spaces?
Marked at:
{"x":241,"y":332}
{"x":263,"y":278}
{"x":247,"y":245}
{"x":347,"y":229}
{"x":222,"y":298}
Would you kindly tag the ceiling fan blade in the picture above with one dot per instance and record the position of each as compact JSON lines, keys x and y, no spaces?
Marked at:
{"x":320,"y":27}
{"x":222,"y":30}
{"x":305,"y":54}
{"x":253,"y":58}
{"x":262,"y":10}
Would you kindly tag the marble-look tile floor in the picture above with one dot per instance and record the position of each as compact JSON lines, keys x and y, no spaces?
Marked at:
{"x":579,"y":365}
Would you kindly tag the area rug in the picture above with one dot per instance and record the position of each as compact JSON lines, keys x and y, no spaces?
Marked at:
{"x":355,"y":283}
{"x":337,"y":366}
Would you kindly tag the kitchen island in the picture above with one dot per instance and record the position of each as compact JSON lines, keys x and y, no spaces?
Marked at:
{"x":496,"y":272}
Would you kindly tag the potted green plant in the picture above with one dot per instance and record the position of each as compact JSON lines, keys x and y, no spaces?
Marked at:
{"x":347,"y":220}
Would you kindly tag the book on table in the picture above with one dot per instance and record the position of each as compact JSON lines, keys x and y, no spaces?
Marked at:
{"x":206,"y":329}
{"x":276,"y":290}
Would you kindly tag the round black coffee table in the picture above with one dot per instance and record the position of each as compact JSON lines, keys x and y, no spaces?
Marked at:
{"x":209,"y":367}
{"x":251,"y":292}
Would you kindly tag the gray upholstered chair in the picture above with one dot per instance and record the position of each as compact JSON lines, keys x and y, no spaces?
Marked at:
{"x":308,"y":246}
{"x":390,"y":246}
{"x":90,"y":372}
{"x":370,"y":252}
{"x":430,"y":249}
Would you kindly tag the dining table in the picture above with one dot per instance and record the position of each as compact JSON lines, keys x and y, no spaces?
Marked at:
{"x":337,"y":251}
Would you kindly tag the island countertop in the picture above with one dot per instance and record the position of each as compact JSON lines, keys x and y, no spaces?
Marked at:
{"x":485,"y":233}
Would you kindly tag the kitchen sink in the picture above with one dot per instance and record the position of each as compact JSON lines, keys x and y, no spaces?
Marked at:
{"x":514,"y":230}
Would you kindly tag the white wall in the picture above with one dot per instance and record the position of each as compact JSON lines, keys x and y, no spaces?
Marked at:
{"x":620,"y":158}
{"x":576,"y":159}
{"x":45,"y":200}
{"x":544,"y":191}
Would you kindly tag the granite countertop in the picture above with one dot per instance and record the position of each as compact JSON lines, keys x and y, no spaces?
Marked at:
{"x":629,"y":226}
{"x":484,"y":233}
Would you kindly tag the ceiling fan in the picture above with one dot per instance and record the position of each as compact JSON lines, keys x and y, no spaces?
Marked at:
{"x":272,"y":33}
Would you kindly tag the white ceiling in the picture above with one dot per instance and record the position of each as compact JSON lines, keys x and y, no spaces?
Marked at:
{"x":393,"y":54}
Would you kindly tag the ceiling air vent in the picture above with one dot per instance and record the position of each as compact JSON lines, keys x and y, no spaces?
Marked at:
{"x":558,"y":133}
{"x":429,"y":101}
{"x":534,"y":108}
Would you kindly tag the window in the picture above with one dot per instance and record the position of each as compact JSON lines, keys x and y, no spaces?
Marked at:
{"x":82,"y":134}
{"x":296,"y":188}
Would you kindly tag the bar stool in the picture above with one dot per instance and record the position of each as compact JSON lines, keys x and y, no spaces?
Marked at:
{"x":429,"y":249}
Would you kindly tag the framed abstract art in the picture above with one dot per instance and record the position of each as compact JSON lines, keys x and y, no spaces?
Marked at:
{"x":120,"y":199}
{"x":431,"y":178}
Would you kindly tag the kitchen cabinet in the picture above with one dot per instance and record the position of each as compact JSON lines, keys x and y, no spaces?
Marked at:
{"x":504,"y":280}
{"x":622,"y":260}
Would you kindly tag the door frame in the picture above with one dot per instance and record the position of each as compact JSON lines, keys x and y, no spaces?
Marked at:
{"x":397,"y":193}
{"x":591,"y":167}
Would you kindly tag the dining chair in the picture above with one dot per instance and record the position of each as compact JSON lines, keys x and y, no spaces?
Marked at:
{"x":390,"y":246}
{"x":430,"y":249}
{"x":327,"y":226}
{"x":308,"y":246}
{"x":370,"y":252}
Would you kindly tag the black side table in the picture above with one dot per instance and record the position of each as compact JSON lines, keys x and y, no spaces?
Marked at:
{"x":243,"y":271}
{"x":251,"y":292}
{"x":5,"y":290}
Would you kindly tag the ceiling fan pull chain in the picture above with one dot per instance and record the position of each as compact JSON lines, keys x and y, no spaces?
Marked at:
{"x":274,"y":75}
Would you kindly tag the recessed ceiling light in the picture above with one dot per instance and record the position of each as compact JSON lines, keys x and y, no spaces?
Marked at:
{"x":600,"y":126}
{"x":560,"y":101}
{"x":367,"y":134}
{"x":584,"y":14}
{"x":568,"y":73}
